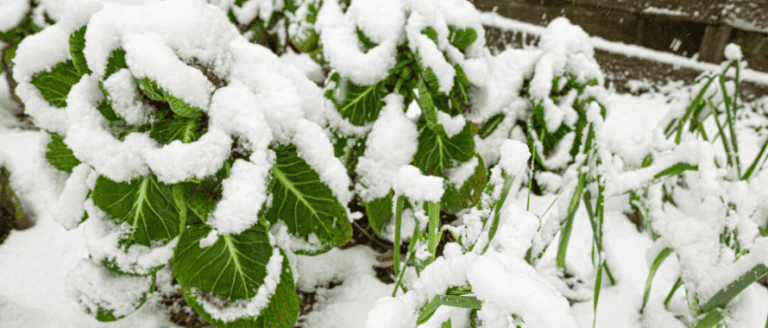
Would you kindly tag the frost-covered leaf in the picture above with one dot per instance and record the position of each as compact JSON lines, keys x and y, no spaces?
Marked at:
{"x":234,"y":266}
{"x":106,"y":295}
{"x":305,"y":203}
{"x":379,"y":212}
{"x":106,"y":109}
{"x":185,"y":130}
{"x":76,"y":46}
{"x":427,"y":105}
{"x":358,"y":104}
{"x":437,"y":152}
{"x":144,"y":203}
{"x":454,"y":200}
{"x":59,"y":155}
{"x":55,"y":84}
{"x":282,"y":311}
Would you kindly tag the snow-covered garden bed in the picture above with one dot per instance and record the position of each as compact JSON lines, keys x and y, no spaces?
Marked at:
{"x":219,"y":161}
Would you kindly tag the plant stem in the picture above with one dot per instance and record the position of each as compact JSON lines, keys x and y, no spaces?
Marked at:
{"x":398,"y":224}
{"x":433,"y":210}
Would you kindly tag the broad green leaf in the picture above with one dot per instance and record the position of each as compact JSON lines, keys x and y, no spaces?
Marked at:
{"x":144,"y":203}
{"x":234,"y":266}
{"x":115,"y":62}
{"x":359,"y":104}
{"x":654,"y":267}
{"x":76,"y":46}
{"x":446,"y":324}
{"x":282,"y":311}
{"x":55,"y":84}
{"x":59,"y":155}
{"x":462,"y":39}
{"x":379,"y":212}
{"x":185,"y":130}
{"x":305,"y":203}
{"x":437,"y":152}
{"x":454,"y":200}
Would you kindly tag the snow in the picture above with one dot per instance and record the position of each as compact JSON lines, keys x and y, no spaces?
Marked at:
{"x":13,"y":11}
{"x":410,"y":183}
{"x":733,"y":52}
{"x":390,"y":145}
{"x":452,"y":125}
{"x":314,"y":147}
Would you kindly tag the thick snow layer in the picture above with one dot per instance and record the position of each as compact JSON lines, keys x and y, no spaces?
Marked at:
{"x":410,"y":183}
{"x":391,"y":144}
{"x":11,"y":13}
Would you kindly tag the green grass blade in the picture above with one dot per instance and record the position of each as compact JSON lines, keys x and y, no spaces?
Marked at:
{"x":466,"y":302}
{"x":409,"y":254}
{"x":565,"y":232}
{"x":755,"y":162}
{"x":676,"y":169}
{"x":398,"y":224}
{"x":598,"y":283}
{"x":433,"y":210}
{"x":508,"y":179}
{"x":672,"y":291}
{"x":654,"y":267}
{"x":710,"y":320}
{"x":726,"y":294}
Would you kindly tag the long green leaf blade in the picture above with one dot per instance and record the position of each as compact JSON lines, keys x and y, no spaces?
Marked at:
{"x":565,"y":232}
{"x":466,"y":302}
{"x":305,"y":203}
{"x":725,"y":295}
{"x":676,"y":169}
{"x":654,"y":267}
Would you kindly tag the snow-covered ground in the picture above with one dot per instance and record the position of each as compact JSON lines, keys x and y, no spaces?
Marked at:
{"x":36,"y":261}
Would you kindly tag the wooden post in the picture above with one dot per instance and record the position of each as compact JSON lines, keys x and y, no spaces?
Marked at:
{"x":714,"y":42}
{"x":641,"y":24}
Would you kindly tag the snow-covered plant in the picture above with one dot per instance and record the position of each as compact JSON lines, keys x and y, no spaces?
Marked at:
{"x":471,"y":269}
{"x":276,"y":24}
{"x":699,"y":200}
{"x":180,"y":140}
